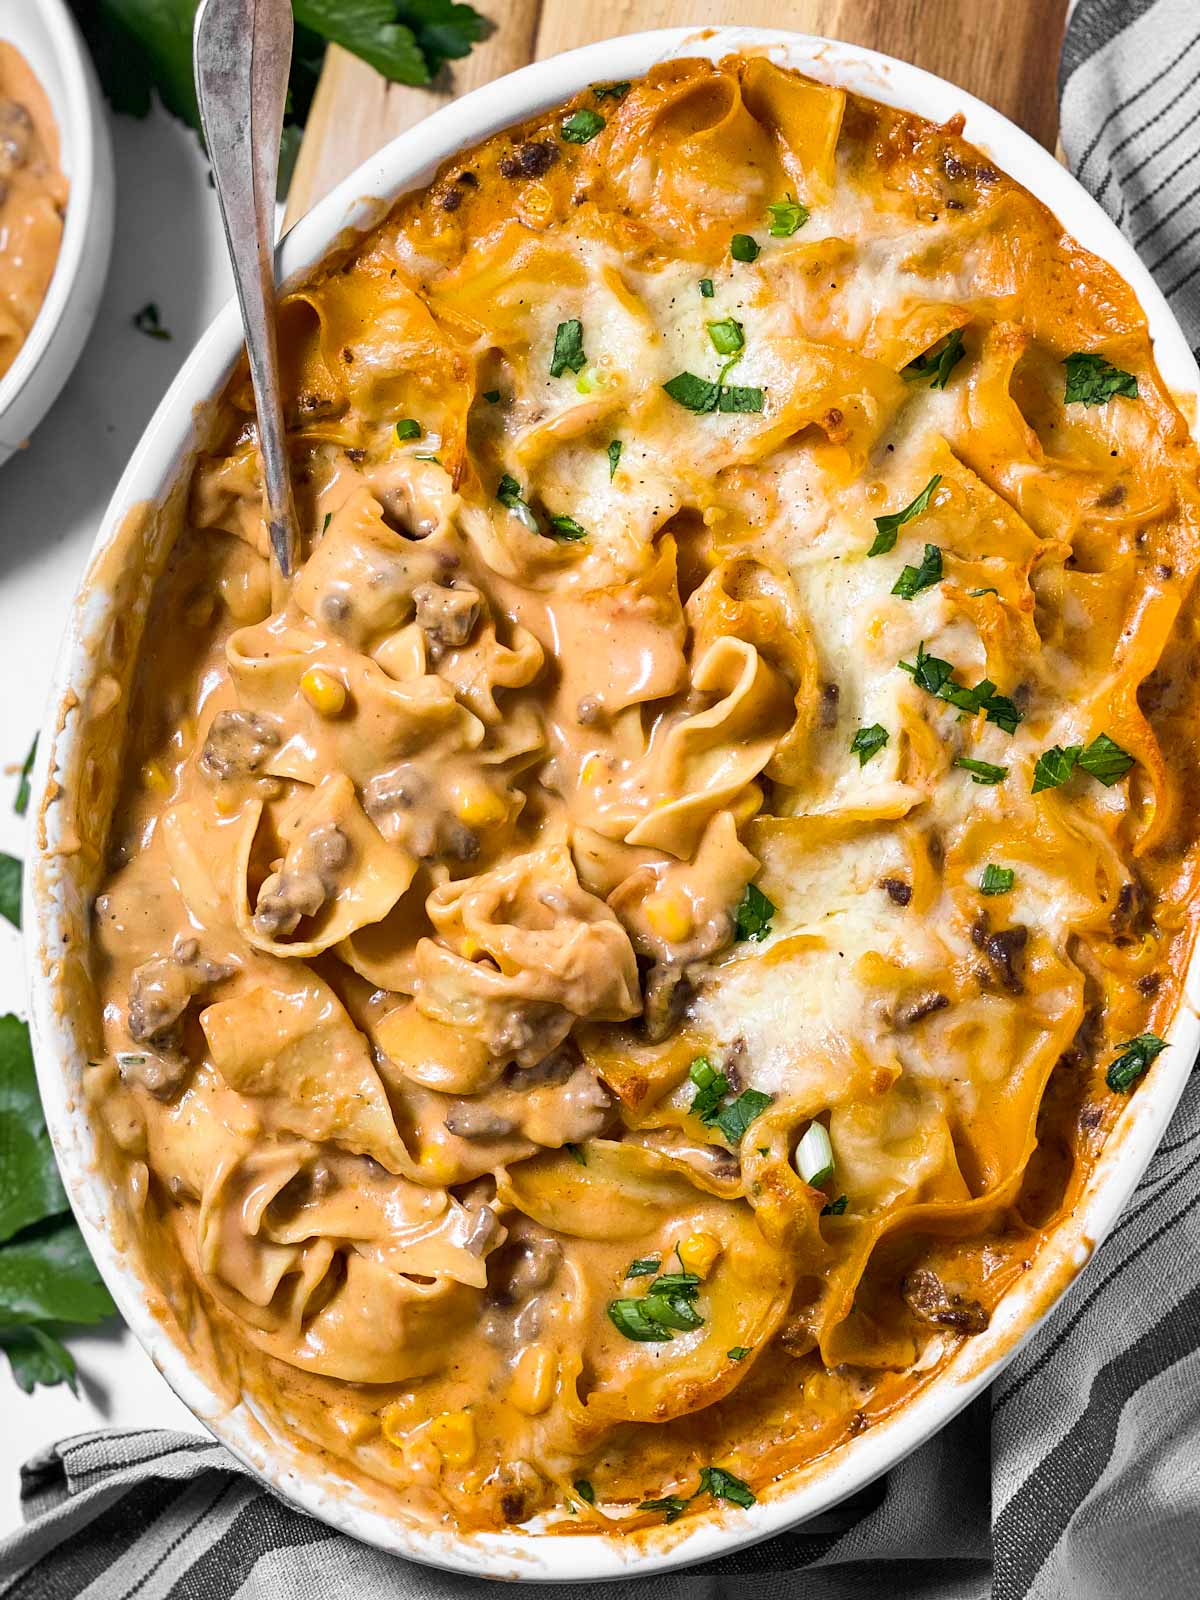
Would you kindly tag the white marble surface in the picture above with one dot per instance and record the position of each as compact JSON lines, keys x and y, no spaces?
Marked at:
{"x":169,"y":249}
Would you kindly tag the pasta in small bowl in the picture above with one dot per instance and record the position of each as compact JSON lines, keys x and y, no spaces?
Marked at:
{"x":594,"y":1019}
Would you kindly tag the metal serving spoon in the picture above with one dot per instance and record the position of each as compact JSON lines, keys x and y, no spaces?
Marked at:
{"x":242,"y":51}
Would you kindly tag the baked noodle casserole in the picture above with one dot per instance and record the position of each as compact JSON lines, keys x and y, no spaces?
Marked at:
{"x":605,"y":980}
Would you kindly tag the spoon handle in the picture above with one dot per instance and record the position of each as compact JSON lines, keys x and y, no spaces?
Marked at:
{"x":243,"y":52}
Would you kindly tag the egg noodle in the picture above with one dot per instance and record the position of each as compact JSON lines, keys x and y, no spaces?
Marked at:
{"x":610,"y":975}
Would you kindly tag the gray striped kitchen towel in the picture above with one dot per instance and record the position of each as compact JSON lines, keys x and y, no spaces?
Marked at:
{"x":1076,"y":1477}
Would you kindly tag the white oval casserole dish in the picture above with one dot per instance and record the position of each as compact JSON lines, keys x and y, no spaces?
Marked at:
{"x":103,"y":634}
{"x":46,"y":35}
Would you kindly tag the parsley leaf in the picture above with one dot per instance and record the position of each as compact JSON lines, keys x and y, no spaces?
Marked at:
{"x":577,"y":1154}
{"x":144,"y":47}
{"x":996,"y":880}
{"x":697,"y":394}
{"x":836,"y":1208}
{"x":752,"y":920}
{"x":711,"y":1088}
{"x":938,"y":362}
{"x":30,"y":1190}
{"x":643,"y":1267}
{"x":727,"y":336}
{"x":743,"y":247}
{"x":1105,"y":761}
{"x":981,"y":771}
{"x":701,"y":394}
{"x":739,"y":397}
{"x":408,"y":428}
{"x":36,"y":1356}
{"x":936,"y":677}
{"x":584,"y":1490}
{"x":614,"y":458}
{"x":568,"y":349}
{"x":913,"y":579}
{"x":739,"y":1352}
{"x":21,"y":803}
{"x":10,"y":888}
{"x":146,"y":321}
{"x":1136,"y":1055}
{"x":706,"y":288}
{"x":611,"y":91}
{"x":868,"y":742}
{"x":631,"y":1318}
{"x":582,"y":126}
{"x":492,"y":396}
{"x":723,"y":1485}
{"x":1055,"y":766}
{"x":1091,"y":380}
{"x":670,"y":1505}
{"x":787,"y":215}
{"x":735,"y":1118}
{"x":889,"y":526}
{"x":566,"y":528}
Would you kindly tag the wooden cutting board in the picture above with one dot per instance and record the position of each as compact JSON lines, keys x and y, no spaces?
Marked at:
{"x":1004,"y":51}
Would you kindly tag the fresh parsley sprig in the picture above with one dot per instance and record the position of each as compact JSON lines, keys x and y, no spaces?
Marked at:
{"x":936,"y":677}
{"x":1103,"y":760}
{"x":887,"y":527}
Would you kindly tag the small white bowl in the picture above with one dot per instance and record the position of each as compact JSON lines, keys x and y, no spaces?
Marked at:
{"x":46,"y":35}
{"x":105,"y":627}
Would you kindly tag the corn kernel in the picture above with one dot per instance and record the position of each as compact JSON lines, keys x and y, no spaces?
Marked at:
{"x":699,"y":1252}
{"x":592,"y":770}
{"x":479,"y":806}
{"x":225,"y":802}
{"x":670,"y":916}
{"x":154,"y":778}
{"x":454,"y":1434}
{"x":395,"y":1420}
{"x":323,"y":691}
{"x":533,"y":1379}
{"x":469,"y":947}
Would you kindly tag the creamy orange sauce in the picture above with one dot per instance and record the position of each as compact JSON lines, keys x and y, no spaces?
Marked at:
{"x":33,"y":200}
{"x":428,"y":923}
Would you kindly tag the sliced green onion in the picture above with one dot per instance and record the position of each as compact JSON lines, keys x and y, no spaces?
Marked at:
{"x":814,"y":1155}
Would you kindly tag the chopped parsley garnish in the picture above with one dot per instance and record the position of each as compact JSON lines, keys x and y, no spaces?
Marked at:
{"x":711,"y":1088}
{"x":408,"y":428}
{"x":568,"y":349}
{"x":1136,"y":1055}
{"x":981,"y":771}
{"x":996,"y":880}
{"x":702,"y":394}
{"x":913,"y":579}
{"x":508,"y":492}
{"x":886,"y":528}
{"x":582,"y":126}
{"x":643,"y":1267}
{"x":706,"y":288}
{"x":492,"y":396}
{"x":835,"y":1208}
{"x":614,"y":458}
{"x":723,"y":1485}
{"x":743,"y":247}
{"x":868,"y":742}
{"x":21,"y":803}
{"x":611,"y":91}
{"x":735,"y":1118}
{"x":1091,"y":380}
{"x":577,"y":1154}
{"x":727,"y":336}
{"x":566,"y":528}
{"x":936,"y":677}
{"x":585,"y":1491}
{"x":787,"y":215}
{"x":938,"y":362}
{"x":10,"y":888}
{"x":671,"y":1506}
{"x":739,"y":1352}
{"x":665,"y":1308}
{"x":325,"y":524}
{"x":146,"y":321}
{"x":1103,"y":760}
{"x":752,"y":920}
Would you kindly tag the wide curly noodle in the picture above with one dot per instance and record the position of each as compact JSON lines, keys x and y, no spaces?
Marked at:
{"x":488,"y":925}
